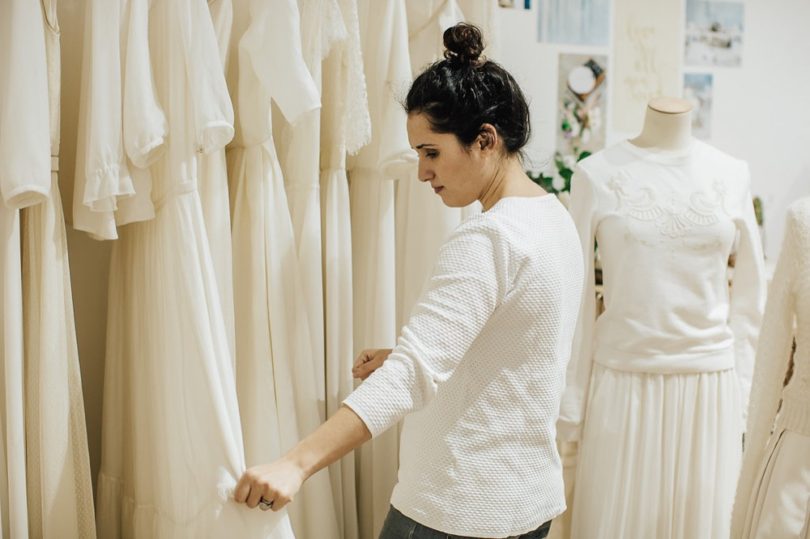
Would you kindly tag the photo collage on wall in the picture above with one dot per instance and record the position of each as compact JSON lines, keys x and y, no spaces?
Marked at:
{"x":714,"y":38}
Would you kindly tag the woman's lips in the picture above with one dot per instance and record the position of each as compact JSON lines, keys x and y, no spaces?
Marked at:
{"x":438,"y":190}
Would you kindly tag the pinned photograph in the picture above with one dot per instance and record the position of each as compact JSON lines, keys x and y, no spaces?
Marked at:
{"x":574,"y":22}
{"x":714,"y":33}
{"x":697,"y":88}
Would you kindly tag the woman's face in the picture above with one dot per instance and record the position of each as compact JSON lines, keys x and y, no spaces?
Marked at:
{"x":456,"y":174}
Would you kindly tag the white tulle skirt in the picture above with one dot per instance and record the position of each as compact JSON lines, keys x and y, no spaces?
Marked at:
{"x":659,"y":456}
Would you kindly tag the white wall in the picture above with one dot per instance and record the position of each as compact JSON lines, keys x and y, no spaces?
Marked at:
{"x":761,"y":111}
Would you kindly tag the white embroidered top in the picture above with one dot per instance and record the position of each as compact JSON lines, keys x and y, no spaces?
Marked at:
{"x":666,"y":224}
{"x":787,"y":315}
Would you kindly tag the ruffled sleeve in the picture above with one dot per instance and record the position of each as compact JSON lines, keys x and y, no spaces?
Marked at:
{"x":578,"y":373}
{"x":101,"y":169}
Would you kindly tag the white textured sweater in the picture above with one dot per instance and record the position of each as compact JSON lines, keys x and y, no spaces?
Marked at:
{"x":787,"y":315}
{"x":480,"y":368}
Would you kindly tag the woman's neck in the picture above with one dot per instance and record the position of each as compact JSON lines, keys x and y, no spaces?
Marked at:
{"x":667,"y":125}
{"x":509,"y":180}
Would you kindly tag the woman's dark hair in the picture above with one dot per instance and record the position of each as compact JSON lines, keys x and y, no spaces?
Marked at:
{"x":462,"y":92}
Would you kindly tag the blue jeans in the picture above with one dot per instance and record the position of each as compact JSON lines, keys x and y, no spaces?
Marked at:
{"x":398,"y":526}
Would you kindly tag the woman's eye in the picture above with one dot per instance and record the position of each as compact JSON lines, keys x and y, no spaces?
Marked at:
{"x":431,"y":155}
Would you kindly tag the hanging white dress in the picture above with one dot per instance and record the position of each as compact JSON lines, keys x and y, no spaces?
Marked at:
{"x":276,"y":383}
{"x":773,"y":495}
{"x":372,"y":174}
{"x":25,"y":179}
{"x":172,"y":444}
{"x":60,"y":492}
{"x":298,"y":147}
{"x":213,"y":173}
{"x":423,"y":221}
{"x":345,"y":128}
{"x":661,"y":376}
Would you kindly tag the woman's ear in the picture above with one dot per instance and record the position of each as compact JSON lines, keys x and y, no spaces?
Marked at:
{"x":487,"y":137}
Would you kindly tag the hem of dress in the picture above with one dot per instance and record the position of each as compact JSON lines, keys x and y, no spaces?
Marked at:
{"x":118,"y":510}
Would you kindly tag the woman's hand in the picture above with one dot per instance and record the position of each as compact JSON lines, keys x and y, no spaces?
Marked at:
{"x":274,"y":484}
{"x":369,"y":361}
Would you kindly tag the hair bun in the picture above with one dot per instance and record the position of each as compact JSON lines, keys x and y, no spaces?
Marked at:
{"x":464,"y":44}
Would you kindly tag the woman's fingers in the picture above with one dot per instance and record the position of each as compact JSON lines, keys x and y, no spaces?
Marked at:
{"x":369,"y":361}
{"x":240,"y":493}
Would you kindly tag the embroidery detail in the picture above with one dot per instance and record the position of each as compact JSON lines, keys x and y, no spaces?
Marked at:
{"x":672,"y":214}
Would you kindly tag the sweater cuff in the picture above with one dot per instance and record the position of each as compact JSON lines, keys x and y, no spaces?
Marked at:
{"x":362,"y":404}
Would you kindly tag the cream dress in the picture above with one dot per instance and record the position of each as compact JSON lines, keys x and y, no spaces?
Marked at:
{"x":773,"y":496}
{"x":663,"y":374}
{"x":172,"y":448}
{"x":372,"y":175}
{"x":345,"y":128}
{"x":277,"y":388}
{"x":298,"y":145}
{"x":213,"y":174}
{"x":25,"y":179}
{"x":60,"y":492}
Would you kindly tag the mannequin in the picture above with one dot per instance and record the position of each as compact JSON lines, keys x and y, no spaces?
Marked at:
{"x":656,"y":385}
{"x":772,"y":495}
{"x":667,"y":125}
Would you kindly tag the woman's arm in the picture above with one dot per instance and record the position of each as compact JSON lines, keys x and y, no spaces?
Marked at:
{"x":279,"y":481}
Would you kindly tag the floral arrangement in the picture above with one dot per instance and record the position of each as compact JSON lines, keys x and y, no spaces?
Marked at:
{"x":577,"y":122}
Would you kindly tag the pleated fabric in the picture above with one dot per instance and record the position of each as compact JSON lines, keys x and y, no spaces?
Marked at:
{"x":59,"y":487}
{"x":278,"y":396}
{"x":172,"y":442}
{"x":666,"y":446}
{"x":345,"y":128}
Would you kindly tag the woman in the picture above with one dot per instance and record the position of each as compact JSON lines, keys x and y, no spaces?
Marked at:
{"x":479,"y":368}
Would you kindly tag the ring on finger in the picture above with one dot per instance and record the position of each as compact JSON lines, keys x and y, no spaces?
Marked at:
{"x":265,"y":504}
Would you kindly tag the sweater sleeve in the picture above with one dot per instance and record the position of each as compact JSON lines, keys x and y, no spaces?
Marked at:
{"x":578,"y":373}
{"x":747,"y":294}
{"x":468,"y":282}
{"x":772,"y":358}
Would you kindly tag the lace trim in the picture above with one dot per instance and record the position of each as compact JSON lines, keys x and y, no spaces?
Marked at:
{"x":358,"y":120}
{"x":673,"y":214}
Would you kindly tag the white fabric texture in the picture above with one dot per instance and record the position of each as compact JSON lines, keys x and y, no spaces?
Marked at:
{"x":774,"y":489}
{"x":344,"y":122}
{"x":172,"y":444}
{"x":213,"y":186}
{"x":665,"y":223}
{"x":298,"y":147}
{"x":276,"y":383}
{"x":372,"y":173}
{"x":659,"y":456}
{"x":59,"y":487}
{"x":25,"y":179}
{"x":480,"y":367}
